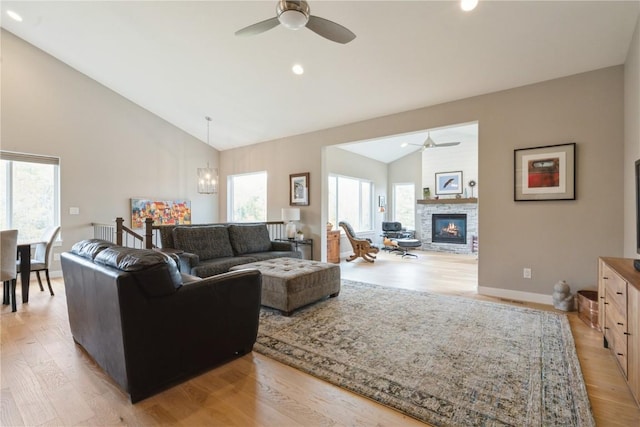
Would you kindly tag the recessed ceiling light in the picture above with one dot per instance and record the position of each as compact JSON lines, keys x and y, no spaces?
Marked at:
{"x":297,"y":69}
{"x":468,"y":5}
{"x":14,"y":16}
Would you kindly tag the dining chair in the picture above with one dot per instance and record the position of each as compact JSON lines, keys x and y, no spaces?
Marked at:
{"x":8,"y":249}
{"x":40,"y":260}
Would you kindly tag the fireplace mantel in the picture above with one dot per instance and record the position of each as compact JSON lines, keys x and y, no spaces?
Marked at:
{"x":446,"y":201}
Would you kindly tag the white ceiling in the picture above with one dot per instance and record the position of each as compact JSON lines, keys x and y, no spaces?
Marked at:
{"x":389,"y":149}
{"x":182,"y":61}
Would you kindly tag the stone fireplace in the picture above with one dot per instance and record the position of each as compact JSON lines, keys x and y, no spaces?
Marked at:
{"x":449,"y":228}
{"x":448,"y":225}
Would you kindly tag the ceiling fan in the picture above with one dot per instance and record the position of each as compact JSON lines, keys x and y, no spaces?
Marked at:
{"x":430,"y":143}
{"x":295,"y":14}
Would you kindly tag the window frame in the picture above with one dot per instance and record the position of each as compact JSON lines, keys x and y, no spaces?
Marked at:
{"x":230,"y":196}
{"x":11,"y":158}
{"x":361,"y":212}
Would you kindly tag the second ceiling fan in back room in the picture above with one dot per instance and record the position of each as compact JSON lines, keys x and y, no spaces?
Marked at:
{"x":296,"y":14}
{"x":430,"y":143}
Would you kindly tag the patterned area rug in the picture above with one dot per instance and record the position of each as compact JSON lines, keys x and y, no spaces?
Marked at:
{"x":447,"y":361}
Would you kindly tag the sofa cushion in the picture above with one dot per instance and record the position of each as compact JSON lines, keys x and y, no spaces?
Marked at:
{"x":219,"y":265}
{"x":91,"y":247}
{"x":156,"y":273}
{"x":246,"y":239}
{"x":207,"y":242}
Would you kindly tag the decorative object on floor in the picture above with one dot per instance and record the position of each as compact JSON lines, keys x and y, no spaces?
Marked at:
{"x":363,"y":248}
{"x":447,"y":361}
{"x":299,"y":189}
{"x":289,"y":215}
{"x":562,"y":296}
{"x":545,"y":173}
{"x":448,"y":183}
{"x":207,"y":177}
{"x":163,"y":212}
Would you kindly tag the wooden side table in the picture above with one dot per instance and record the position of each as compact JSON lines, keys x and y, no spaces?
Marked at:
{"x":333,"y":246}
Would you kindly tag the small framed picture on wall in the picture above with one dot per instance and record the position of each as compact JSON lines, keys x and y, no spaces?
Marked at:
{"x":299,"y":189}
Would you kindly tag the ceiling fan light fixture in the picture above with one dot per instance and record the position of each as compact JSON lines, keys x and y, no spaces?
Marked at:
{"x":293,"y":19}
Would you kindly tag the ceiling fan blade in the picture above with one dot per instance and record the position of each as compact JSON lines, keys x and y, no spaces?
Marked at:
{"x":447,"y":144}
{"x":330,"y":30}
{"x":258,"y":28}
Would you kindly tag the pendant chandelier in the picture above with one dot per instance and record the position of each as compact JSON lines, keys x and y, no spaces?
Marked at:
{"x":208,"y":177}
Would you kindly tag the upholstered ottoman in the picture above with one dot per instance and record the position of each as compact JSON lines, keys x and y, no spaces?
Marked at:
{"x":290,"y":283}
{"x":405,"y":244}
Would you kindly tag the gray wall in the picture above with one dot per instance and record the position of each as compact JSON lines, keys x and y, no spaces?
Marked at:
{"x":631,"y":141}
{"x":109,"y":148}
{"x":557,"y":240}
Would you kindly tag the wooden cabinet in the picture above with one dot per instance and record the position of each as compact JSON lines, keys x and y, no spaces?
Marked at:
{"x":333,"y":246}
{"x":619,"y":317}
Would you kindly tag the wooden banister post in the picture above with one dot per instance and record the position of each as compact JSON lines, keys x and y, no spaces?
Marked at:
{"x":119,"y":222}
{"x":148,"y":233}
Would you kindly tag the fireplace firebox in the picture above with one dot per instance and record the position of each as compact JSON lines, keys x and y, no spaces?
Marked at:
{"x":449,"y":228}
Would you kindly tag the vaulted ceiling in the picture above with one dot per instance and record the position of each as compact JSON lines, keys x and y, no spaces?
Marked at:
{"x":182,"y":61}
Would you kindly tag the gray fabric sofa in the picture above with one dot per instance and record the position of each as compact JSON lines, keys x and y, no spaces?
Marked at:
{"x":207,"y":250}
{"x":147,"y":325}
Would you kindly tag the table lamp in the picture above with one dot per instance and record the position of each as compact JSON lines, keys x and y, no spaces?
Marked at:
{"x":289,"y":215}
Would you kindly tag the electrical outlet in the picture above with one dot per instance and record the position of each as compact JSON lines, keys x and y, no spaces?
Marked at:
{"x":526,"y":273}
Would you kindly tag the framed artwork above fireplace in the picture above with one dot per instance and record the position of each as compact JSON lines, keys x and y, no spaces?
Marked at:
{"x":448,"y":183}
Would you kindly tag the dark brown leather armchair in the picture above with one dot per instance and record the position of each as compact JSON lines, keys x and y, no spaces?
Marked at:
{"x":150,"y":327}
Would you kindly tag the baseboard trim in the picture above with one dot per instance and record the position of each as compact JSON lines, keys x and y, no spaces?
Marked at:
{"x":515,"y":295}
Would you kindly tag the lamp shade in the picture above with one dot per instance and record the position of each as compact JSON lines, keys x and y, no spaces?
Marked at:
{"x":290,"y":214}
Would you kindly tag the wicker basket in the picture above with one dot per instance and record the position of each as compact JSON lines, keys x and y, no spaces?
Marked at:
{"x":588,"y":308}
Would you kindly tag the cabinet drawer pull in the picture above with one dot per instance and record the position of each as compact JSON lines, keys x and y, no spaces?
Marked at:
{"x":619,"y":293}
{"x":621,"y":324}
{"x":605,"y":277}
{"x":627,"y":333}
{"x":606,"y":327}
{"x":601,"y":297}
{"x":606,"y":303}
{"x":620,"y":354}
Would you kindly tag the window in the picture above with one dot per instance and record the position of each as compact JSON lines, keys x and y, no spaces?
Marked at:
{"x":31,"y":193}
{"x":351,"y":200}
{"x":404,"y":205}
{"x":247,"y":197}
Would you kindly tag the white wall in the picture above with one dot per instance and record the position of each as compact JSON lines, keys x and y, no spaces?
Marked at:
{"x":110,"y":149}
{"x":463,"y":157}
{"x":631,"y":141}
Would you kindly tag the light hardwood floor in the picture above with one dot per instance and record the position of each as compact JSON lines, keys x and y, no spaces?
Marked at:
{"x":48,"y":380}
